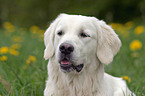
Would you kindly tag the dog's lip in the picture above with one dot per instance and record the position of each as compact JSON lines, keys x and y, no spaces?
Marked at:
{"x":78,"y":68}
{"x":66,"y":65}
{"x":65,"y":62}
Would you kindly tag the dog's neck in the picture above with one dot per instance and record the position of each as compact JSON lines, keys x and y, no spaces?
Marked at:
{"x":79,"y":81}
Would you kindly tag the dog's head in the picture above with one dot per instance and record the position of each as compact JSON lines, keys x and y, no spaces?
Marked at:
{"x":76,"y":41}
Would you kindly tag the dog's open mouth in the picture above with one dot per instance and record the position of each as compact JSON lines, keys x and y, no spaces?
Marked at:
{"x":68,"y":66}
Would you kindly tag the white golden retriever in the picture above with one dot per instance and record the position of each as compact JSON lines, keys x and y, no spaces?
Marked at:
{"x":78,"y":47}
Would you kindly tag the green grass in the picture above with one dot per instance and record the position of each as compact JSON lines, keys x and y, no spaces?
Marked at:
{"x":23,"y":82}
{"x":30,"y":81}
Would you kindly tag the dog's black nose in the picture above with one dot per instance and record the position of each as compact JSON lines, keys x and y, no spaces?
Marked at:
{"x":66,"y":48}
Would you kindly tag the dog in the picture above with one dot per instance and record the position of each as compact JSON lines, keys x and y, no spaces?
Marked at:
{"x":78,"y":47}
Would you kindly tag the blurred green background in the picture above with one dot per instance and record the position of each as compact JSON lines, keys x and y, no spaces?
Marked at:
{"x":23,"y":70}
{"x":30,"y":12}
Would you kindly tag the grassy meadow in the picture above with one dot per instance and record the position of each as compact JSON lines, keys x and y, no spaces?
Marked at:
{"x":23,"y":70}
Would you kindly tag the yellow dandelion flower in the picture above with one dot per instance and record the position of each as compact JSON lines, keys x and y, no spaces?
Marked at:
{"x":15,"y":46}
{"x":9,"y":27}
{"x":41,"y":31}
{"x":128,"y":79}
{"x":17,"y":39}
{"x":139,"y":30}
{"x":121,"y":29}
{"x":7,"y":24}
{"x":28,"y":61}
{"x":113,"y":25}
{"x":41,"y":35}
{"x":135,"y":45}
{"x":4,"y":50}
{"x":3,"y":58}
{"x":14,"y":52}
{"x":129,"y":24}
{"x":34,"y":29}
{"x":32,"y":58}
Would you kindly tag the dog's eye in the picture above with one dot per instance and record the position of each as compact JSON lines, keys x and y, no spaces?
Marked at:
{"x":60,"y":33}
{"x":84,"y":35}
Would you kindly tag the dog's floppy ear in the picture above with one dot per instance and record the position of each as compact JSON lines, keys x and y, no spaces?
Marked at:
{"x":108,"y":43}
{"x":49,"y":38}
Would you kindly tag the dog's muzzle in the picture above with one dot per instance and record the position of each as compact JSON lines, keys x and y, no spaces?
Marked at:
{"x":66,"y":62}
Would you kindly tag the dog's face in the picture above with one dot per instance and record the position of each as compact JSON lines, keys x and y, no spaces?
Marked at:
{"x":76,"y":41}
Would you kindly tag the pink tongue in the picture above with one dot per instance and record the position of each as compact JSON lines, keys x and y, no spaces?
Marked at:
{"x":65,"y":62}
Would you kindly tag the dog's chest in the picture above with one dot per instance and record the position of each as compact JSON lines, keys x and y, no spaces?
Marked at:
{"x":75,"y":91}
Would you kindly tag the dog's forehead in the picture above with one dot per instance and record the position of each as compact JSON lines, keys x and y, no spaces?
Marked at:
{"x":75,"y":21}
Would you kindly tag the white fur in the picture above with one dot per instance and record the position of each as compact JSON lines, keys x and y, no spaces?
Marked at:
{"x":93,"y":52}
